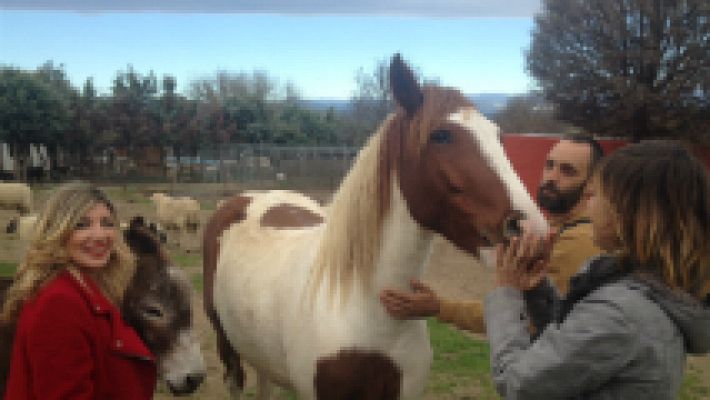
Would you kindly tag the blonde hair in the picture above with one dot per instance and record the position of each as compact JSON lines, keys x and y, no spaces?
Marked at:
{"x":660,"y":195}
{"x":47,"y":254}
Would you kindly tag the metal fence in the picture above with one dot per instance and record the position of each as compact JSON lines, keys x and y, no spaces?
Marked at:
{"x":264,"y":165}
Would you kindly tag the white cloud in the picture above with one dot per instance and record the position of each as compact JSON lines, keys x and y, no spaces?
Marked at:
{"x":431,"y":8}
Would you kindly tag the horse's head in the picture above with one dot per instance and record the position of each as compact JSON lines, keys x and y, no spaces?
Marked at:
{"x":451,"y":166}
{"x":158,"y":305}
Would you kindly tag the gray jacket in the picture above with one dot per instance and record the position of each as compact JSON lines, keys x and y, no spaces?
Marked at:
{"x":625,"y":340}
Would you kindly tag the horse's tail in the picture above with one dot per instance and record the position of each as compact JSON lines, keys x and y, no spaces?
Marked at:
{"x":232,"y":211}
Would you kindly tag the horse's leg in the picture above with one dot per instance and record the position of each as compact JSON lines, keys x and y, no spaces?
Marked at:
{"x":231,"y":212}
{"x":233,"y":371}
{"x":264,"y":387}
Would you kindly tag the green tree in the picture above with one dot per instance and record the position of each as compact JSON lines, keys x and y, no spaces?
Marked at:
{"x":372,"y":100}
{"x":31,"y":111}
{"x":134,"y":110}
{"x":80,"y":140}
{"x":626,"y":67}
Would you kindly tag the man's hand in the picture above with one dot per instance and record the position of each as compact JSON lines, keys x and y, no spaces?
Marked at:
{"x":422,"y":302}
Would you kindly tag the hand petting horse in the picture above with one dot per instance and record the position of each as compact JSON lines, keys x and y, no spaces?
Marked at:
{"x":293,"y":289}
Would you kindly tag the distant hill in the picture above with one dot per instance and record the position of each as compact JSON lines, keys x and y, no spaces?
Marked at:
{"x":488,"y":103}
{"x":338,"y":105}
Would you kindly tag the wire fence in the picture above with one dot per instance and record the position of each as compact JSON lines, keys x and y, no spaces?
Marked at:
{"x":255,"y":165}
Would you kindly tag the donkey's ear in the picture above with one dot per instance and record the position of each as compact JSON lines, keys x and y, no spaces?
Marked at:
{"x":140,"y":240}
{"x":137,"y":221}
{"x":404,"y":86}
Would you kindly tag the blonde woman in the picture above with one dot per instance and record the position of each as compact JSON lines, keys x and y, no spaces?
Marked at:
{"x":630,"y":317}
{"x":70,"y":340}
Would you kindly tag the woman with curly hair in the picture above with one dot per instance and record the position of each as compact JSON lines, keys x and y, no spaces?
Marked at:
{"x":70,"y":340}
{"x":631,"y":315}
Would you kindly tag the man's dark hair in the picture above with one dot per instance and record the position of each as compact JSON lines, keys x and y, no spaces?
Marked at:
{"x":597,"y":150}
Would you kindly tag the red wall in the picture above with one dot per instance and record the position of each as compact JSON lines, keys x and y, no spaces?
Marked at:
{"x":527,"y":154}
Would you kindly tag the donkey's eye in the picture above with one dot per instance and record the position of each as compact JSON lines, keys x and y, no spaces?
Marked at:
{"x":153,"y":312}
{"x":441,"y":136}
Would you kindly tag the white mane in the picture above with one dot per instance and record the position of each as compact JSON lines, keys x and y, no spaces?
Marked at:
{"x":351,"y":240}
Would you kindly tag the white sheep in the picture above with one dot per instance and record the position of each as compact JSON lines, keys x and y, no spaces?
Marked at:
{"x":181,"y":213}
{"x":188,"y":214}
{"x":22,"y":225}
{"x":16,"y":196}
{"x":26,"y":226}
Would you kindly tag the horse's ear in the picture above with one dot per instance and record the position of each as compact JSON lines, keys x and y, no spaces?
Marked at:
{"x":405,"y":89}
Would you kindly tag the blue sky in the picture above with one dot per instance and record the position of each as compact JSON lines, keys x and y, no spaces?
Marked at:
{"x":320,"y":52}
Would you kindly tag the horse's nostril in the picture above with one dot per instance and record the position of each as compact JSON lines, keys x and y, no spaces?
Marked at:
{"x":511,"y":225}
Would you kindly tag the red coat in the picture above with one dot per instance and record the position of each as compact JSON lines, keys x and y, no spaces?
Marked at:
{"x":71,"y":343}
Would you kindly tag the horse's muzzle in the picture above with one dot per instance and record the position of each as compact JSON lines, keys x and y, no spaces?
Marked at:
{"x":511,"y":225}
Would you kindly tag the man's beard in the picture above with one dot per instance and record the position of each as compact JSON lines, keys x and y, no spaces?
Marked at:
{"x":556,"y":201}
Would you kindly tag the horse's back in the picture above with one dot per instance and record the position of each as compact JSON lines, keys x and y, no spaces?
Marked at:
{"x":258,"y":246}
{"x":255,"y":222}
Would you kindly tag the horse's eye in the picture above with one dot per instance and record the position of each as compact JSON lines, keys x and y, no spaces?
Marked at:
{"x":441,"y":136}
{"x":153,"y":312}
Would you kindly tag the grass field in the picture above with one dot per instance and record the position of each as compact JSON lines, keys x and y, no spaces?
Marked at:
{"x":7,"y":268}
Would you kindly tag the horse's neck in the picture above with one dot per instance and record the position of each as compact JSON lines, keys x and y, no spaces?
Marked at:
{"x":406,"y":246}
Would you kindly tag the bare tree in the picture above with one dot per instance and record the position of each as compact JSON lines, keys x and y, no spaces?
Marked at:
{"x":626,"y":67}
{"x":531,"y":114}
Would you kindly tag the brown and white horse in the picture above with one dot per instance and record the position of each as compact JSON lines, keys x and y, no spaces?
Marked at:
{"x":293,"y":289}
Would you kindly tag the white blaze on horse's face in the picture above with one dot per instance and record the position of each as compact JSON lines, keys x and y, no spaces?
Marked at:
{"x":451,"y":167}
{"x":487,"y":136}
{"x":454,"y":174}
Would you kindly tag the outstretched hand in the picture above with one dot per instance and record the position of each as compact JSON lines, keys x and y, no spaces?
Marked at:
{"x":421,"y":302}
{"x":523,"y":263}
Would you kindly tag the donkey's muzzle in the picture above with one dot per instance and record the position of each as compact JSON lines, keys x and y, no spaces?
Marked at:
{"x":189,"y":385}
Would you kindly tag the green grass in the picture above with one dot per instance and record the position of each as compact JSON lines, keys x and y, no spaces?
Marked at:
{"x":208,"y":205}
{"x":693,"y":386}
{"x":197,"y":282}
{"x":7,"y":268}
{"x":192,"y":262}
{"x":128,"y":193}
{"x":460,"y":362}
{"x":187,"y":260}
